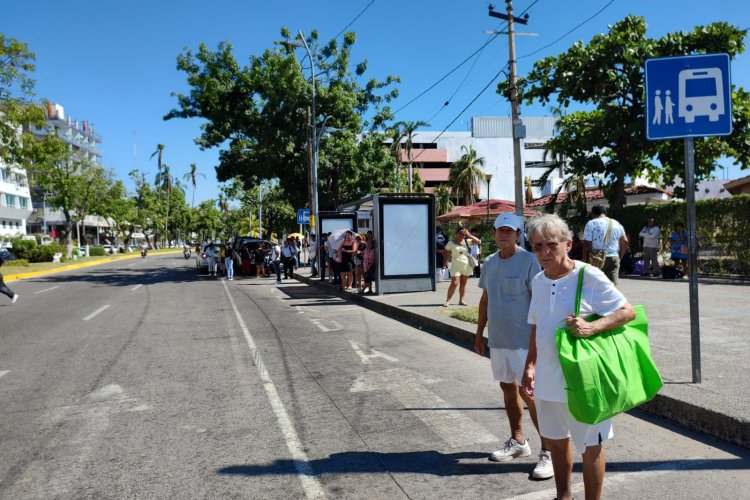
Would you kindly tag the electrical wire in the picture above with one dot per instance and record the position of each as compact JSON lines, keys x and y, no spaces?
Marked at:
{"x":353,"y":20}
{"x":568,"y":32}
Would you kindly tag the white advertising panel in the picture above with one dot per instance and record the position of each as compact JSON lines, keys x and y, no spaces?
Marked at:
{"x":406,"y":239}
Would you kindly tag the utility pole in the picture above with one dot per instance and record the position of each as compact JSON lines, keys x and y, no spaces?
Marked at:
{"x":519,"y":131}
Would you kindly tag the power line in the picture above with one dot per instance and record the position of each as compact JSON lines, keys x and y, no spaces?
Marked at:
{"x":353,"y":20}
{"x":463,"y":110}
{"x":569,"y":31}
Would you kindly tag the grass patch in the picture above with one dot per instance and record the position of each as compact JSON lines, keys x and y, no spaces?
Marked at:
{"x":469,"y":314}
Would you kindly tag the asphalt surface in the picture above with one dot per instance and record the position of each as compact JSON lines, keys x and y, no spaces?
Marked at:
{"x":140,"y":379}
{"x":718,"y":406}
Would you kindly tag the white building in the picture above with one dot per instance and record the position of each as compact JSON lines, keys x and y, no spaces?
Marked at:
{"x":82,"y":143}
{"x":15,"y":201}
{"x":492,"y":139}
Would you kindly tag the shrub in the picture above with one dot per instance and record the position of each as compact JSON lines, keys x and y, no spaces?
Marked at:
{"x":23,"y":249}
{"x":97,"y":252}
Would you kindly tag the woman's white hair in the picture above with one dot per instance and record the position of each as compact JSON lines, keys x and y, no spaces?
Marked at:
{"x":548,"y":226}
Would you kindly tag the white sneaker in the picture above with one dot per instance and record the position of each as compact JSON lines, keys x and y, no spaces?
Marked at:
{"x":14,"y":299}
{"x":543,"y":469}
{"x":512,"y":449}
{"x":277,"y":282}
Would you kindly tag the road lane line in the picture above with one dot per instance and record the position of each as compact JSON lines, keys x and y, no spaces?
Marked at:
{"x":4,"y":372}
{"x":46,"y":290}
{"x":366,"y":357}
{"x":311,"y":485}
{"x":136,"y":287}
{"x":93,"y":314}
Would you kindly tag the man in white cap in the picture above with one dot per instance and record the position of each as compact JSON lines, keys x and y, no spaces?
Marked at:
{"x":506,"y":284}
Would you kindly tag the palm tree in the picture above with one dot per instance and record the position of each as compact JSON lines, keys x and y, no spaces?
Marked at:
{"x":443,"y":202}
{"x":223,"y":204}
{"x":466,"y":175}
{"x":397,"y":136}
{"x":191,"y":177}
{"x":408,"y":130}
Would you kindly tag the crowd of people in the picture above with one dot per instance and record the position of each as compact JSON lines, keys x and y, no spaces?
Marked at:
{"x":349,"y":264}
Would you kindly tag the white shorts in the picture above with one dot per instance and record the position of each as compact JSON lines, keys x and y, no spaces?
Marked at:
{"x":507,"y":364}
{"x":556,"y":422}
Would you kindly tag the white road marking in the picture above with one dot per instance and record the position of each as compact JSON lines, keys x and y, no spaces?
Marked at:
{"x":622,"y":478}
{"x":46,"y":290}
{"x":335,"y":326}
{"x":4,"y":372}
{"x":131,"y":264}
{"x":311,"y":485}
{"x":302,"y":309}
{"x":367,"y":357}
{"x":408,"y":388}
{"x":136,"y":287}
{"x":93,"y":314}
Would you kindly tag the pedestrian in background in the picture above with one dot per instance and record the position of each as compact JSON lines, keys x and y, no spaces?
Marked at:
{"x":4,"y":288}
{"x":650,"y":235}
{"x":323,"y":258}
{"x":679,"y":247}
{"x":553,"y":301}
{"x":506,"y":295}
{"x":370,"y":262}
{"x":288,"y":256}
{"x":476,"y":251}
{"x":229,"y":255}
{"x":461,"y":267}
{"x":603,"y":234}
{"x":276,"y":261}
{"x":313,"y":256}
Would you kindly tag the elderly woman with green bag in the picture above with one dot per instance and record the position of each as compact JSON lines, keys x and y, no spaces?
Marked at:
{"x":553,"y":298}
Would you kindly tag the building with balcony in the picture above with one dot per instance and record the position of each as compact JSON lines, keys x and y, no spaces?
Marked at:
{"x":15,"y":200}
{"x":492,"y":139}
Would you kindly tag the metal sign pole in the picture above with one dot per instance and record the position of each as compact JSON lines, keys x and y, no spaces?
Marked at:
{"x":695,"y":344}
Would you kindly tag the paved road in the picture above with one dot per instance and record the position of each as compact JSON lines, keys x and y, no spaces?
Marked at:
{"x":139,"y":379}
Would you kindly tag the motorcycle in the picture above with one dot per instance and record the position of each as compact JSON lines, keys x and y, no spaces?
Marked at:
{"x":144,"y":252}
{"x":186,"y":253}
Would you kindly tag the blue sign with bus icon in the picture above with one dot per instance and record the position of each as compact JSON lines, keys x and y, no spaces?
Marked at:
{"x":688,"y":96}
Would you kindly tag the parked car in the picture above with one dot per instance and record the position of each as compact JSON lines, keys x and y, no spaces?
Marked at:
{"x":252,"y":244}
{"x":6,"y":254}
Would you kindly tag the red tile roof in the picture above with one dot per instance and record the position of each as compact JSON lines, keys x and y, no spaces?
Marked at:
{"x":593,"y":194}
{"x":479,"y":209}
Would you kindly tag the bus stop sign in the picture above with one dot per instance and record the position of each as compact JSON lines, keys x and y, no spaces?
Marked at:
{"x":688,"y":96}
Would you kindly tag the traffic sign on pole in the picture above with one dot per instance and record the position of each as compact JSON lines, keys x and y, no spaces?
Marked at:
{"x":688,"y":96}
{"x":303,"y":216}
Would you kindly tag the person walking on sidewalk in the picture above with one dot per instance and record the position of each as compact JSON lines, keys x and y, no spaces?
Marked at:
{"x":461,"y":267}
{"x":276,"y":261}
{"x":4,"y":288}
{"x":288,"y":255}
{"x":604,"y":235}
{"x":506,"y":284}
{"x":553,"y":303}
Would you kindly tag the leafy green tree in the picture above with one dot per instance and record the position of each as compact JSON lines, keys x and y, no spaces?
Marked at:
{"x":16,"y":86}
{"x":443,"y":202}
{"x":608,"y":138}
{"x":258,"y":116}
{"x":466,"y":175}
{"x":76,"y":186}
{"x":192,"y":178}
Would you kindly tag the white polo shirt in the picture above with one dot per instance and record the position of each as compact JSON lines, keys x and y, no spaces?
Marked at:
{"x":551,"y":302}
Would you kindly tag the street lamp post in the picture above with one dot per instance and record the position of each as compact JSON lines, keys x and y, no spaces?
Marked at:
{"x":301,"y":42}
{"x":44,"y":212}
{"x":488,"y":178}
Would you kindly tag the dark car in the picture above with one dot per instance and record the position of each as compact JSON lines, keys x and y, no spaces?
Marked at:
{"x":6,"y":254}
{"x":252,"y":244}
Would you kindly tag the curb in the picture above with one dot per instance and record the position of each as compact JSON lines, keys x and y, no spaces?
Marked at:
{"x":33,"y":274}
{"x":709,"y":422}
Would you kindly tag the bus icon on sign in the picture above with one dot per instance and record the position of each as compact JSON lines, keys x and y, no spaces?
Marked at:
{"x":701,"y":93}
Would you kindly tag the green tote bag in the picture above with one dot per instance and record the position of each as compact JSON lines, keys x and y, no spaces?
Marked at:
{"x":610,"y":372}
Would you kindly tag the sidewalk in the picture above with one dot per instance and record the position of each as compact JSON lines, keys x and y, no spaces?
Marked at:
{"x":719,"y":406}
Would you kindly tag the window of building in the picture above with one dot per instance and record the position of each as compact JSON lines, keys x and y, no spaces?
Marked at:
{"x":24,"y":203}
{"x":4,"y":172}
{"x":10,"y":201}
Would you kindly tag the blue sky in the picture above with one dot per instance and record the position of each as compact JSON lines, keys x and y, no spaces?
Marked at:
{"x":114,"y":63}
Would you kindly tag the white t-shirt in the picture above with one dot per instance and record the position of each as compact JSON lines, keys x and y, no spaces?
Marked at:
{"x":650,"y":237}
{"x":551,"y":302}
{"x":275,"y":253}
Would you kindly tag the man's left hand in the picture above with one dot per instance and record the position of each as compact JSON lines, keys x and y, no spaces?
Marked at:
{"x":579,"y":327}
